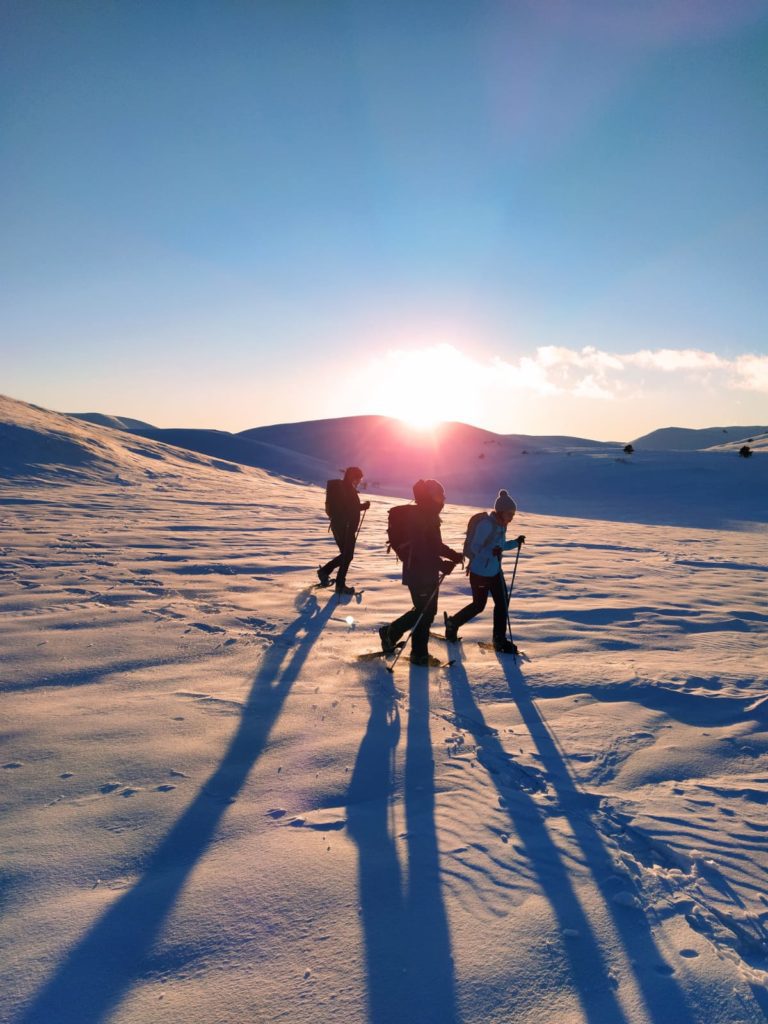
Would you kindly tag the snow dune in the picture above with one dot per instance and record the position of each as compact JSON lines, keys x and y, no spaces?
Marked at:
{"x":213,"y":811}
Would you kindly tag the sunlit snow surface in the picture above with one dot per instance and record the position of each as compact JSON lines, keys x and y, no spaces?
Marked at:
{"x":213,"y":812}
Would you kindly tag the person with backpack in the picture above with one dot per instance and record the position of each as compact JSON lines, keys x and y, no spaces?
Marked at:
{"x":484,"y":545}
{"x":343,"y":507}
{"x":414,"y":533}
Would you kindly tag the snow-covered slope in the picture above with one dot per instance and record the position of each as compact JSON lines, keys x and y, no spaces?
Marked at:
{"x":236,"y":448}
{"x":689,"y":440}
{"x":116,"y":422}
{"x":37,"y":443}
{"x":548,"y":475}
{"x":758,"y":442}
{"x":213,"y":811}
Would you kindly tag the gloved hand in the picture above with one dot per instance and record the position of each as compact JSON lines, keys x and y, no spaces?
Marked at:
{"x":447,"y":567}
{"x":496,"y":552}
{"x":521,"y":540}
{"x":365,"y":505}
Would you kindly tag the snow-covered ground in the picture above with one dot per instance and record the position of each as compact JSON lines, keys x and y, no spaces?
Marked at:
{"x":214,"y":812}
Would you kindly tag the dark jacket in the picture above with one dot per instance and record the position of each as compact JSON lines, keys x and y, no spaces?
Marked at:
{"x":347,"y":516}
{"x":421,"y":564}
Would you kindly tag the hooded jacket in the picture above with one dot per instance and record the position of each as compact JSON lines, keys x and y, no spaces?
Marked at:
{"x":421,"y":565}
{"x":488,"y":534}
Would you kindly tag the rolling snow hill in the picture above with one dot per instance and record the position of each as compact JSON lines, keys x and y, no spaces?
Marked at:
{"x":687,"y":440}
{"x":548,"y":475}
{"x":116,"y":422}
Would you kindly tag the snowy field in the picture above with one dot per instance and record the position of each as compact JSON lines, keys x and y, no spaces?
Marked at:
{"x":214,"y":812}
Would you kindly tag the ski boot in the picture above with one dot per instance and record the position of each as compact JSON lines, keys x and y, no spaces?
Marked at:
{"x":451,"y":631}
{"x":324,"y":577}
{"x":505,"y":646}
{"x":387,"y":643}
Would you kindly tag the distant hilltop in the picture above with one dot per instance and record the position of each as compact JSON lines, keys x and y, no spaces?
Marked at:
{"x":116,"y":422}
{"x":353,"y":437}
{"x":684,"y":439}
{"x":551,"y":475}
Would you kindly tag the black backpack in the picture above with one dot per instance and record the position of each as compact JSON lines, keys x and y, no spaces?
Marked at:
{"x":334,"y":500}
{"x":399,"y":534}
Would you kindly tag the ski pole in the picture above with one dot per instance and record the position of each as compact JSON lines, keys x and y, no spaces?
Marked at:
{"x":360,"y":524}
{"x":391,"y":668}
{"x":514,"y":571}
{"x":508,"y":595}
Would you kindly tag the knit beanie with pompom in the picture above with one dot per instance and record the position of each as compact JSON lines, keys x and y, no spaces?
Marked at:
{"x":504,"y":503}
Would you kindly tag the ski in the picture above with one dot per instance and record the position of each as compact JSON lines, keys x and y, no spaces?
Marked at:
{"x":373,"y":655}
{"x":486,"y":645}
{"x":439,"y":636}
{"x":440,"y":664}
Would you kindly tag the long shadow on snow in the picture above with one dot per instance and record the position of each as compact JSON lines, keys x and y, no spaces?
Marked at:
{"x":409,"y":964}
{"x":586,"y":958}
{"x":101,"y":968}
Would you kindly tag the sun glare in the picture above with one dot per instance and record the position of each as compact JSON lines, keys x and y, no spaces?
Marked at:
{"x":422,"y":387}
{"x":421,"y":422}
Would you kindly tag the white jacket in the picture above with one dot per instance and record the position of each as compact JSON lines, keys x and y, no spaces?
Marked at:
{"x":489,"y":534}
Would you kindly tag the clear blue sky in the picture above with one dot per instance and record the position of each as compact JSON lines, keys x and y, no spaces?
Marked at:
{"x":233,"y":213}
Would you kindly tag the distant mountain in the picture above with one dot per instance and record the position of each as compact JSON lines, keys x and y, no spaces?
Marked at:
{"x":367,"y":440}
{"x":236,"y":448}
{"x":683,"y":439}
{"x":115,"y":422}
{"x":550,"y":476}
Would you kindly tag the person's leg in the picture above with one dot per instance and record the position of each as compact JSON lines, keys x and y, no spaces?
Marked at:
{"x":325,"y":571}
{"x":402,"y":625}
{"x":480,"y":587}
{"x":346,"y":542}
{"x":499,"y":595}
{"x":425,"y":604}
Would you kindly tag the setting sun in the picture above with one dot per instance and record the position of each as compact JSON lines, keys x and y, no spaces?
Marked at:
{"x":422,"y":387}
{"x":420,"y":421}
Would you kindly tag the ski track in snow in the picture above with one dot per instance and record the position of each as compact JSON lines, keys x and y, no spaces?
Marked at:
{"x":213,"y":811}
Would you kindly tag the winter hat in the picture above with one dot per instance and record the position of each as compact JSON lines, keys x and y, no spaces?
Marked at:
{"x":504,"y":503}
{"x":353,"y":472}
{"x":429,"y":492}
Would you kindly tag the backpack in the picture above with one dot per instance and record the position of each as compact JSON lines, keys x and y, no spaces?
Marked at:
{"x":399,"y":521}
{"x":334,"y":500}
{"x":474,"y":522}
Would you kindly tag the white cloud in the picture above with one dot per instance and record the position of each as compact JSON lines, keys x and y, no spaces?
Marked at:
{"x":751,"y":373}
{"x":593,"y":373}
{"x":671,"y":360}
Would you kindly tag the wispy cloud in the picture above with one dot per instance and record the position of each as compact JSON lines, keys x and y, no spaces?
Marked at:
{"x":751,"y":373}
{"x":672,"y":360}
{"x":592,"y":373}
{"x":555,"y":387}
